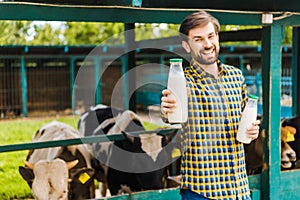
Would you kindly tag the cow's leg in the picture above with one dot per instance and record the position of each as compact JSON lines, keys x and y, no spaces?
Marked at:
{"x":103,"y":189}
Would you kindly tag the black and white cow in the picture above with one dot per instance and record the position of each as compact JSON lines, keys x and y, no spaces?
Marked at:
{"x":59,"y":172}
{"x":132,"y":164}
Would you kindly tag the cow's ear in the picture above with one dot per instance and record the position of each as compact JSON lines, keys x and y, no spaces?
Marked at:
{"x":287,"y":133}
{"x":291,"y":129}
{"x":27,"y":174}
{"x":128,"y":137}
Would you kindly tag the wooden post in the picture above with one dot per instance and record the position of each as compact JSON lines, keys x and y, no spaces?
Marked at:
{"x":271,"y":72}
{"x":295,"y":71}
{"x":72,"y":82}
{"x":24,"y":87}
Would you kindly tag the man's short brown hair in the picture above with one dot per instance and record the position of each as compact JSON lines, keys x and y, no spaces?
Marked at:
{"x":199,"y":18}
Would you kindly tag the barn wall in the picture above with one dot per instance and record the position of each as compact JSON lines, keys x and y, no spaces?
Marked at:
{"x":49,"y":88}
{"x":48,"y":84}
{"x":10,"y":88}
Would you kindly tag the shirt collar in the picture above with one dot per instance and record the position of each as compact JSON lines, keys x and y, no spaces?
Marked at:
{"x":195,"y":65}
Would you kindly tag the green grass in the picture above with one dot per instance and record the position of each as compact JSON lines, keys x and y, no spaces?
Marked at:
{"x":12,"y":185}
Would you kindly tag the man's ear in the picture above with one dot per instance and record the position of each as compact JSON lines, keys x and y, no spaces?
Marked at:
{"x":186,"y":46}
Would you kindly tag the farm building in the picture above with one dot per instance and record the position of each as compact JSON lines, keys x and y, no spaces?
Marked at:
{"x":41,"y":79}
{"x":273,"y":16}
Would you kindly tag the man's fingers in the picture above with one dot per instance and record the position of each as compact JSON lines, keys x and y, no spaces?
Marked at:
{"x":167,"y":100}
{"x":256,"y":123}
{"x":167,"y":104}
{"x":166,"y":92}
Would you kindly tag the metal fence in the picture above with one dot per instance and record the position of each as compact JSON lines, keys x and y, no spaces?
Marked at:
{"x":33,"y":84}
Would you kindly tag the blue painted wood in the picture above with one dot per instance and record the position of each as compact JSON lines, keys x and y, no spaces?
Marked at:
{"x":296,"y":71}
{"x":72,"y":81}
{"x":271,"y":72}
{"x":255,"y":194}
{"x":290,"y":186}
{"x":24,"y":87}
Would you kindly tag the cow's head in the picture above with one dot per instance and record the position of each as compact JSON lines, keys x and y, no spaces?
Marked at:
{"x":59,"y":172}
{"x":288,"y":155}
{"x":294,"y":140}
{"x":255,"y":155}
{"x":48,"y":179}
{"x":58,"y":179}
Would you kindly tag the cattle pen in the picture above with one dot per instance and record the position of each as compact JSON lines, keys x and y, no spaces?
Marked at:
{"x":271,"y":16}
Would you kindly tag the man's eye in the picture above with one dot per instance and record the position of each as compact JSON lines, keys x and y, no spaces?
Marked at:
{"x":198,"y":40}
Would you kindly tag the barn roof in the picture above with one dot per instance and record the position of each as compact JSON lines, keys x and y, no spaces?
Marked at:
{"x":148,"y":11}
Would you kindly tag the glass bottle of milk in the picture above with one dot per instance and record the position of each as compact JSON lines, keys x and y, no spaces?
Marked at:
{"x":249,"y":116}
{"x":177,"y":86}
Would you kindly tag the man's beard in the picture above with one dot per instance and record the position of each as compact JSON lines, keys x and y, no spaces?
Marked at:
{"x":207,"y":61}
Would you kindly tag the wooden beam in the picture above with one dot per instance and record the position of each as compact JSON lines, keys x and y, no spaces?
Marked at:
{"x":126,"y":14}
{"x":241,"y":35}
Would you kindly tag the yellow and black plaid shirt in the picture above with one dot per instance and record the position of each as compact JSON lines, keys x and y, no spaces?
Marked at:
{"x":213,"y":162}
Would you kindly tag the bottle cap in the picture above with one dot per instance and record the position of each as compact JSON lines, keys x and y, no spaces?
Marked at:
{"x":253,"y":97}
{"x":176,"y":60}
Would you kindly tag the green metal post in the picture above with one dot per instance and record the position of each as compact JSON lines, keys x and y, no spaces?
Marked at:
{"x":271,"y":72}
{"x":125,"y":83}
{"x":257,"y":84}
{"x":255,"y":194}
{"x":72,"y":82}
{"x":162,"y":64}
{"x":24,"y":87}
{"x":130,"y":54}
{"x":97,"y":80}
{"x":295,"y":71}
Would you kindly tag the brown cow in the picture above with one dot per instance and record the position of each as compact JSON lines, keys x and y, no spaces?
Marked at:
{"x":294,"y":142}
{"x":254,"y":151}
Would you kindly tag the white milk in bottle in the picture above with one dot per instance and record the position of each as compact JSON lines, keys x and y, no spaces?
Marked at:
{"x":249,"y":116}
{"x":177,"y":86}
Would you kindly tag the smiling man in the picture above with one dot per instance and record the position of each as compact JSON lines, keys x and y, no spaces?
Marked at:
{"x":213,"y":161}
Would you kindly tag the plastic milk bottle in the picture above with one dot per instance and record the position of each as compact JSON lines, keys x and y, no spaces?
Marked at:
{"x":249,"y":116}
{"x":177,"y":86}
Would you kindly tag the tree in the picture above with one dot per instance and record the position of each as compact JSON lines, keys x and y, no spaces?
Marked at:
{"x":95,"y":33}
{"x":153,"y":31}
{"x":288,"y":36}
{"x":46,"y":35}
{"x":92,"y":33}
{"x":14,"y":32}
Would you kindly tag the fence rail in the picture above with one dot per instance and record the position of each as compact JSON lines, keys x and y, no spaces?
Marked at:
{"x":83,"y":140}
